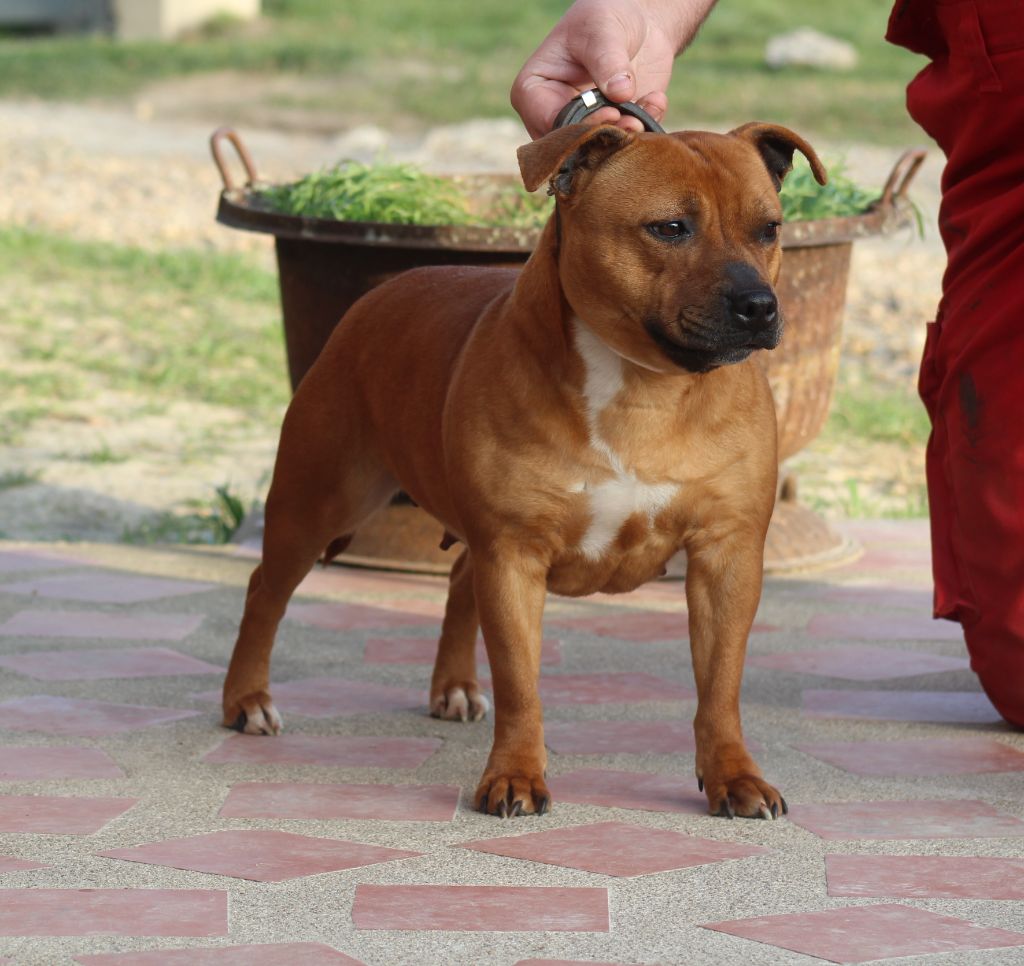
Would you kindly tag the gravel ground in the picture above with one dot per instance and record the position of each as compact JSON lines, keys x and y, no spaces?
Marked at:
{"x":123,"y":175}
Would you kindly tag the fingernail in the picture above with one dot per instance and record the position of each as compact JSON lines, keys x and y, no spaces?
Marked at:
{"x":619,"y":85}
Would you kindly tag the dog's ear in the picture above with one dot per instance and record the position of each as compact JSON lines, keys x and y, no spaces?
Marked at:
{"x":776,"y":145}
{"x":561,"y":156}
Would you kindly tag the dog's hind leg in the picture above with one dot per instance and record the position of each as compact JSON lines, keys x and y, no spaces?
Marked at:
{"x":308,"y":509}
{"x":454,"y":691}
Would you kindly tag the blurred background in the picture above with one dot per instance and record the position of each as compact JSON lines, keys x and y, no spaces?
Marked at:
{"x":142,"y":373}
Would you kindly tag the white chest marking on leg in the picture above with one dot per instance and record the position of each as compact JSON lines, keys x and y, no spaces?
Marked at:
{"x":614,"y":500}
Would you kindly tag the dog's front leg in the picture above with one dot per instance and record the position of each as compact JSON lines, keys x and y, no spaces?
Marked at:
{"x":510,"y":601}
{"x":723,"y":588}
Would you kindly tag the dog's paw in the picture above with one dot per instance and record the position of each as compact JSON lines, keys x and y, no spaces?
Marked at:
{"x":745,"y":795}
{"x":254,"y":714}
{"x":463,"y":702}
{"x":509,"y":795}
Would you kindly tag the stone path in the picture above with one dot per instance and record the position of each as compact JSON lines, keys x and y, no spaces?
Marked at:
{"x":135,"y":830}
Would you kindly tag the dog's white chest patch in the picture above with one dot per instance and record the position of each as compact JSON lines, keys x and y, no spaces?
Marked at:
{"x":614,"y":500}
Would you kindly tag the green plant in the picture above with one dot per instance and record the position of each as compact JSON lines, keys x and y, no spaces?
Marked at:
{"x":352,"y":191}
{"x":803,"y":199}
{"x":15,"y":478}
{"x":215,"y":522}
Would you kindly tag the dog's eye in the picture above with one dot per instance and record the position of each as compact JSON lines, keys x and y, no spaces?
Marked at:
{"x":771,"y":231}
{"x":670,"y":230}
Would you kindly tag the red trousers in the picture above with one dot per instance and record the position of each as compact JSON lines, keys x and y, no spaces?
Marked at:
{"x":970,"y":99}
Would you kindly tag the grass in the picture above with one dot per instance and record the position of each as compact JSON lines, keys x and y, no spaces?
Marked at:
{"x":84,"y":318}
{"x":881,"y":417}
{"x":446,"y":62}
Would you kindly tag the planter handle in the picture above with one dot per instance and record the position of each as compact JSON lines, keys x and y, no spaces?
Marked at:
{"x":216,"y":147}
{"x":903,"y":171}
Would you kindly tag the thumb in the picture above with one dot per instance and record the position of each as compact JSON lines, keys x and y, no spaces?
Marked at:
{"x":609,"y":46}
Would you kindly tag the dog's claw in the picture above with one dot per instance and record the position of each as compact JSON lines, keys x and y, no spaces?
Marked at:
{"x":764,"y":813}
{"x":785,"y":807}
{"x":775,"y":809}
{"x":700,"y":784}
{"x":459,"y":703}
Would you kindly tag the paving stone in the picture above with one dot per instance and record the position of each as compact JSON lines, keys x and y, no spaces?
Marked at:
{"x":59,"y":814}
{"x":913,"y":819}
{"x":883,"y":627}
{"x":262,"y":855}
{"x":860,"y":933}
{"x":16,"y":561}
{"x":918,"y":757}
{"x":355,"y":617}
{"x":858,"y":663}
{"x":297,"y":800}
{"x":423,"y":650}
{"x":82,"y":718}
{"x":957,"y":707}
{"x":623,"y":687}
{"x":11,"y":863}
{"x":266,"y":954}
{"x":641,"y":626}
{"x":100,"y":624}
{"x":619,"y":737}
{"x":335,"y":751}
{"x":629,"y":789}
{"x":113,"y":912}
{"x":106,"y":588}
{"x":95,"y":665}
{"x":615,"y":848}
{"x":336,"y":697}
{"x":481,"y":908}
{"x":31,"y":763}
{"x":925,"y":877}
{"x":908,"y":598}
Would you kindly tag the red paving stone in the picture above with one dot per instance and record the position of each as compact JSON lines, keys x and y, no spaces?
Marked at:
{"x":30,"y":763}
{"x":298,"y":800}
{"x":882,"y":627}
{"x":100,"y":624}
{"x":356,"y":617}
{"x":954,"y":819}
{"x":262,"y":855}
{"x":81,"y":718}
{"x":619,"y":737}
{"x":266,"y":954}
{"x":106,"y":588}
{"x":956,"y":707}
{"x":641,"y":626}
{"x":858,"y":663}
{"x":59,"y":815}
{"x":337,"y":697}
{"x":332,"y":751}
{"x":113,"y":912}
{"x":629,"y":789}
{"x":95,"y":665}
{"x":480,"y":908}
{"x":615,"y":848}
{"x":925,"y":877}
{"x":10,"y":863}
{"x":624,"y":687}
{"x":860,"y":933}
{"x":14,"y":561}
{"x":910,"y":757}
{"x":636,"y":626}
{"x":422,"y":650}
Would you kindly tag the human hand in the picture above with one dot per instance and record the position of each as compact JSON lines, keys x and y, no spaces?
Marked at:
{"x":624,"y":47}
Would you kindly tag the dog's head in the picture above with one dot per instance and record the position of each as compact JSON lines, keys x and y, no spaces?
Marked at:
{"x":669,"y":243}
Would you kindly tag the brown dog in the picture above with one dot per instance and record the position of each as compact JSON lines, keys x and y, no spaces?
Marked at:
{"x":574,"y":425}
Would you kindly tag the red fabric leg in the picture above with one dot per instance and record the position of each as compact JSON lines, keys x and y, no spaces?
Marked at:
{"x":970,"y":99}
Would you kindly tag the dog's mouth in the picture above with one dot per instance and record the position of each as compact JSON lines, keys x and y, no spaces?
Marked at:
{"x":702,"y":354}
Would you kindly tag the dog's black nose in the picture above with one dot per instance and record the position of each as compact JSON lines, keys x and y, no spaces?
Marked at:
{"x":755,"y":308}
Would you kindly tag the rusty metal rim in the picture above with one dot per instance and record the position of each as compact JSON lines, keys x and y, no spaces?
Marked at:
{"x":239,"y":208}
